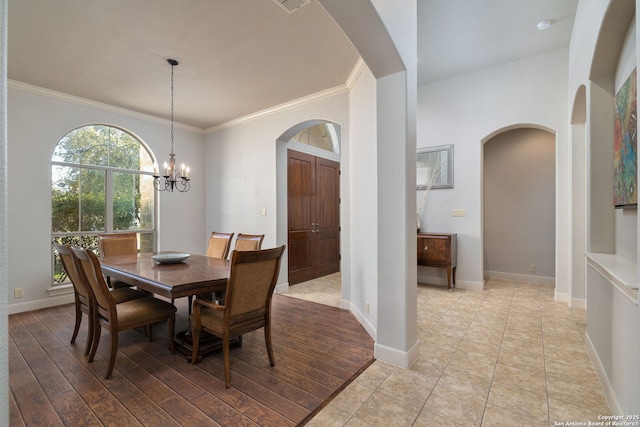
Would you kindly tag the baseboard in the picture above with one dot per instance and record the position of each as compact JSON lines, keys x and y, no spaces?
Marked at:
{"x":520,"y":277}
{"x":607,"y":388}
{"x":402,"y":359}
{"x":39,"y":304}
{"x":361,"y":318}
{"x":579,"y":303}
{"x":561,"y":297}
{"x":282,"y":288}
{"x":460,"y":284}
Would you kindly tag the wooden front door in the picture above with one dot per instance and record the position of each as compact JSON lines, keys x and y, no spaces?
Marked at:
{"x":313,"y":192}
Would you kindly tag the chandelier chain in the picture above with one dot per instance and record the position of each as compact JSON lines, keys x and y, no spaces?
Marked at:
{"x":172,"y":108}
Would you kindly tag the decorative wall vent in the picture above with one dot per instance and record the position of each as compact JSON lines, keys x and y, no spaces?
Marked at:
{"x":292,"y":5}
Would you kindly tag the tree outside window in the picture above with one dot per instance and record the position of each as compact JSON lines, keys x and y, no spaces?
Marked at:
{"x":101,"y":182}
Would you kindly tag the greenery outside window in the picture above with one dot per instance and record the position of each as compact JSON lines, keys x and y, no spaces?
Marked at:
{"x":101,"y":182}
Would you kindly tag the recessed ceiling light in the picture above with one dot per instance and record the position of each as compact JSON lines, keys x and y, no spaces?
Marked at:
{"x":543,"y":25}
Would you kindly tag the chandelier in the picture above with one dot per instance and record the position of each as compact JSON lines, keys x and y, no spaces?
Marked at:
{"x":174,"y":178}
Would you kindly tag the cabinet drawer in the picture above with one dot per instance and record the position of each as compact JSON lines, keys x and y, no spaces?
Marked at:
{"x":434,"y":249}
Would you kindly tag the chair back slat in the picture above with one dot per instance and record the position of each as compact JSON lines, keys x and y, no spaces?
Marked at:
{"x":252,"y":280}
{"x":249,"y":242}
{"x":113,"y":244}
{"x":76,"y":275}
{"x":219,"y":245}
{"x":93,"y":272}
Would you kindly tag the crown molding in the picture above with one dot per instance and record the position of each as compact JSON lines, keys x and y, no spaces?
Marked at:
{"x":336,"y":90}
{"x":37,"y":90}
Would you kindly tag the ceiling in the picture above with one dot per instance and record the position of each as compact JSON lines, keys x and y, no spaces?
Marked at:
{"x":243,"y":56}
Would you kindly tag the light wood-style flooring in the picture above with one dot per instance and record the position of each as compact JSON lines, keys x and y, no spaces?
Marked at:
{"x":319,"y":350}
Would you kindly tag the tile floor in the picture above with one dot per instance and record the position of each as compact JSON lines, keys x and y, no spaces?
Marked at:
{"x":506,"y":356}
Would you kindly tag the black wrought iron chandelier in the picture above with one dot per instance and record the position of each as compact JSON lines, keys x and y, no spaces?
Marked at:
{"x":174,"y":178}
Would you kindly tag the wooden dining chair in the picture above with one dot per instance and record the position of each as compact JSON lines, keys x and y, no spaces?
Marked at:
{"x":120,"y":317}
{"x":83,"y":294}
{"x":249,"y":242}
{"x":247,"y":303}
{"x":113,"y":244}
{"x":219,"y":245}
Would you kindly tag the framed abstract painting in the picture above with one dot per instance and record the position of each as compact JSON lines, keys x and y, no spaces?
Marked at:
{"x":625,"y":157}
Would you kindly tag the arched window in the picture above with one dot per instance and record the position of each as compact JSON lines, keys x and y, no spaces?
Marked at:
{"x":100,"y":183}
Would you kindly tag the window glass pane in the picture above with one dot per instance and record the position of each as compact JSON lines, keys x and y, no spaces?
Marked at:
{"x":132,"y":201}
{"x":86,"y":241}
{"x":320,"y":136}
{"x":64,"y":199}
{"x":127,"y":153}
{"x":88,"y":145}
{"x":91,"y":185}
{"x":77,"y":199}
{"x":146,"y":242}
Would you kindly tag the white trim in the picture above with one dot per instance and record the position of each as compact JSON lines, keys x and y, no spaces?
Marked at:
{"x":59,"y":290}
{"x":442,"y":281}
{"x":361,"y":318}
{"x":609,"y":392}
{"x":529,"y":278}
{"x":579,"y":303}
{"x":620,"y":272}
{"x":43,"y":303}
{"x":282,"y":288}
{"x":346,"y":87}
{"x":355,"y":73}
{"x":402,"y":359}
{"x":561,"y":297}
{"x":328,"y":93}
{"x":13,"y":84}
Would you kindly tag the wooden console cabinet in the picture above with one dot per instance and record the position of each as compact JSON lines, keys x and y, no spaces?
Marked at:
{"x":439,"y":250}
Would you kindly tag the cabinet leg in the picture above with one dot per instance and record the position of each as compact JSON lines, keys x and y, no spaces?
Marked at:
{"x":449,"y":278}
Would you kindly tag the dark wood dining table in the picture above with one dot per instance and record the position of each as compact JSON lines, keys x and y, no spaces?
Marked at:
{"x":197,"y":275}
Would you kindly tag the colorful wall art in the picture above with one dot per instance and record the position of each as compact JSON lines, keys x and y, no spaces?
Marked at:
{"x":625,"y":158}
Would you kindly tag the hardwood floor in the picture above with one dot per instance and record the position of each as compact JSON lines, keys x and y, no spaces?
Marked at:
{"x":319,"y":350}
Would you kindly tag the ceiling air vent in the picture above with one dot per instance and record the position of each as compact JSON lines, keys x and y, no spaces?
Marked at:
{"x":292,"y":5}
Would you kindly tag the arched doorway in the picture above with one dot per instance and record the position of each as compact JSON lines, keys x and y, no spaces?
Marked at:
{"x":309,"y":199}
{"x":519,"y":192}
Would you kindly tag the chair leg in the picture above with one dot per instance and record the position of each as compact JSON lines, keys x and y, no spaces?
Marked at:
{"x":150,"y":330}
{"x":97,"y":329}
{"x":77,"y":326}
{"x":113,"y":352}
{"x":195,"y":338}
{"x":225,"y":357}
{"x":267,"y":340}
{"x":90,"y":333}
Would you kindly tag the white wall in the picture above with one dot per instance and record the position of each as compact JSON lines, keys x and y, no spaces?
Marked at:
{"x":37,"y":119}
{"x":243,"y":167}
{"x":466,"y":111}
{"x":603,"y":51}
{"x":363,"y":200}
{"x":519,"y":204}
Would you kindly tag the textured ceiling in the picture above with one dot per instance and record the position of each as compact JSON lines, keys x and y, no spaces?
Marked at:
{"x":239,"y":57}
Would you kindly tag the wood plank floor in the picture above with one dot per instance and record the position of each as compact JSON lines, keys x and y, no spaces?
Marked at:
{"x":318,"y":350}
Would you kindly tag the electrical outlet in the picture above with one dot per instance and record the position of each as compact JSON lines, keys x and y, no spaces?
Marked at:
{"x":18,"y":293}
{"x":532,"y":268}
{"x":458,"y":212}
{"x":366,"y":307}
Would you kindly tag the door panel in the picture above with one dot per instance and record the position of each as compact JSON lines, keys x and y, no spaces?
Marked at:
{"x":301,"y":215}
{"x":313,"y":191}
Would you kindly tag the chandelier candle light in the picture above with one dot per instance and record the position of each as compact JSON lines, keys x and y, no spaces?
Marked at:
{"x":174,"y":178}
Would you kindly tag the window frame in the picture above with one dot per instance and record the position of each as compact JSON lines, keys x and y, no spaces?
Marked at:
{"x":109,"y":192}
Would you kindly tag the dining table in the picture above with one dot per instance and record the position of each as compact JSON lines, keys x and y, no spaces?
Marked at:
{"x":197,"y":275}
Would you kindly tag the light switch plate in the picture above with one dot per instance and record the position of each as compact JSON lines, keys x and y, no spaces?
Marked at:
{"x":458,"y":212}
